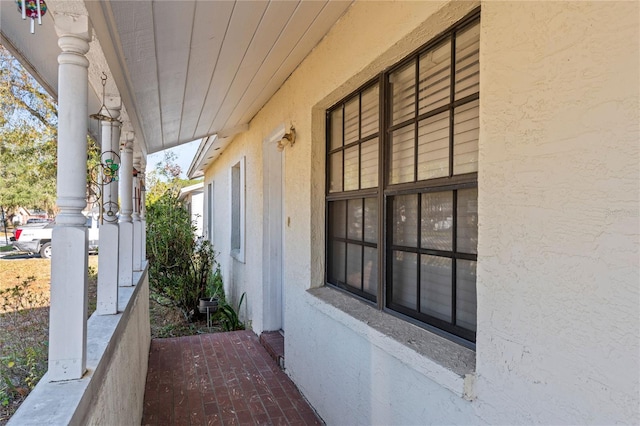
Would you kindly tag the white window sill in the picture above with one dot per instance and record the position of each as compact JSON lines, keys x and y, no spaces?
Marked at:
{"x":439,"y":359}
{"x":238,"y":255}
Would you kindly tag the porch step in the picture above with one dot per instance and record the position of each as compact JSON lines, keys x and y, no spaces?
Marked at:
{"x":273,"y":342}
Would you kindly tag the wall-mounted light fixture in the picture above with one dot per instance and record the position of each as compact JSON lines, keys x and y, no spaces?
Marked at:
{"x":287,"y":139}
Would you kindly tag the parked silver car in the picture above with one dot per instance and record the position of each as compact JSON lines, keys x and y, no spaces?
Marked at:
{"x":36,"y":238}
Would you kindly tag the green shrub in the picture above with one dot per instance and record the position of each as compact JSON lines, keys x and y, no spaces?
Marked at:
{"x":181,"y":268}
{"x":23,"y":341}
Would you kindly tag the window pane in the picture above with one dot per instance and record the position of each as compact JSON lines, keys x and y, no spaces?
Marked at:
{"x":437,"y":220}
{"x":354,"y":265}
{"x":371,"y":220}
{"x":335,"y":172}
{"x":351,"y":121}
{"x":354,"y":218}
{"x":402,"y":85}
{"x":370,"y":112}
{"x":337,"y":218}
{"x":467,"y":236}
{"x":466,"y":294}
{"x":336,"y":268}
{"x":435,"y":286}
{"x":236,"y":201}
{"x":466,"y":127}
{"x":405,"y":220}
{"x":404,"y":290}
{"x":402,"y":155}
{"x":369,"y":164}
{"x":336,"y":128}
{"x":433,"y":147}
{"x":370,"y":282}
{"x":435,"y":78}
{"x":351,"y":172}
{"x":467,"y":62}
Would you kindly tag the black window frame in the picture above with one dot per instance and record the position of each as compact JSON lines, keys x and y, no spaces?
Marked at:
{"x":385,"y":192}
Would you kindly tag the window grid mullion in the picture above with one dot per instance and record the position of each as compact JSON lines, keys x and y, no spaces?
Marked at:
{"x":454,"y":247}
{"x":419,"y":244}
{"x":452,"y":85}
{"x":383,"y":110}
{"x":362,"y":248}
{"x":346,"y":237}
{"x":343,"y":141}
{"x":415,"y":123}
{"x":360,"y":143}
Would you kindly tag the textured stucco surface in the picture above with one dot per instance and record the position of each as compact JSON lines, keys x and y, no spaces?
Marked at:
{"x":121,"y":398}
{"x":558,"y":303}
{"x":558,"y":282}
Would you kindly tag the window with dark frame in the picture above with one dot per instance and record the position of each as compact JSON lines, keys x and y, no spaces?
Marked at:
{"x":402,"y":166}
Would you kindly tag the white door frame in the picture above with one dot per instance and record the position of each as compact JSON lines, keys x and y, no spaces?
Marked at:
{"x":272,"y":235}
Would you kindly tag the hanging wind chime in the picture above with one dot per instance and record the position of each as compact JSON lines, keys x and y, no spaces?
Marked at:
{"x":33,"y":9}
{"x":104,"y":173}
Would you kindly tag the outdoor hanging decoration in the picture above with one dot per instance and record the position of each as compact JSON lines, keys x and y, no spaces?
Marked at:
{"x":99,"y":115}
{"x":33,"y":9}
{"x":106,"y":172}
{"x":104,"y":208}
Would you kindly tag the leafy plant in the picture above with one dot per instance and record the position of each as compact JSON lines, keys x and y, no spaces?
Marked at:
{"x":203,"y":261}
{"x":215,"y":288}
{"x":229,"y":318}
{"x":181,"y":268}
{"x":23,"y":341}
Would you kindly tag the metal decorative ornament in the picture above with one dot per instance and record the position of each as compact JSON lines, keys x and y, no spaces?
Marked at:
{"x":102,"y":175}
{"x":105,"y":173}
{"x":32,"y":9}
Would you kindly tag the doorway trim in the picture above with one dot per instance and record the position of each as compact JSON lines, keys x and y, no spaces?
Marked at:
{"x":273,"y":232}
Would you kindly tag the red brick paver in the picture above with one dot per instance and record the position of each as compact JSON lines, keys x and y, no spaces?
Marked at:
{"x":220,"y":379}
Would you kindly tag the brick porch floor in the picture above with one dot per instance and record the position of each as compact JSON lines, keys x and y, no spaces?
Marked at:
{"x":220,"y":378}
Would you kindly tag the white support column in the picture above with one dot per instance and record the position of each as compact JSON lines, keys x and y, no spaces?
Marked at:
{"x":68,"y":312}
{"x":137,"y":225}
{"x":107,"y":303}
{"x":143,"y":214}
{"x":125,"y":250}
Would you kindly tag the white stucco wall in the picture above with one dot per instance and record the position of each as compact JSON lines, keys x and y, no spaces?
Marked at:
{"x":558,"y":298}
{"x":121,"y":397}
{"x":238,"y":276}
{"x":558,"y":283}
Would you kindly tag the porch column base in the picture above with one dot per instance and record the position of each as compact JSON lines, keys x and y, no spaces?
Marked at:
{"x":125,"y":253}
{"x":108,"y":270}
{"x":137,"y":244}
{"x":143,"y":246}
{"x":68,"y":326}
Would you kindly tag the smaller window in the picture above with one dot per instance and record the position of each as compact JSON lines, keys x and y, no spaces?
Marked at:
{"x":237,"y":210}
{"x":210,"y":209}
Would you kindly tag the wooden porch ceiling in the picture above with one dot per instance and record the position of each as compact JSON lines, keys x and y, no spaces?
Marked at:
{"x":196,"y":68}
{"x":185,"y":69}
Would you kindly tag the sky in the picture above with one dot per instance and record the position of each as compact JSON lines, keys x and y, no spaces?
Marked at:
{"x":185,"y":154}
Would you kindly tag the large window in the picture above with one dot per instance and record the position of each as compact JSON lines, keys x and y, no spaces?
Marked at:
{"x":402,"y":163}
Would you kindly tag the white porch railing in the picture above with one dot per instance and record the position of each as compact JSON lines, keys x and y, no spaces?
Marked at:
{"x":112,"y":389}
